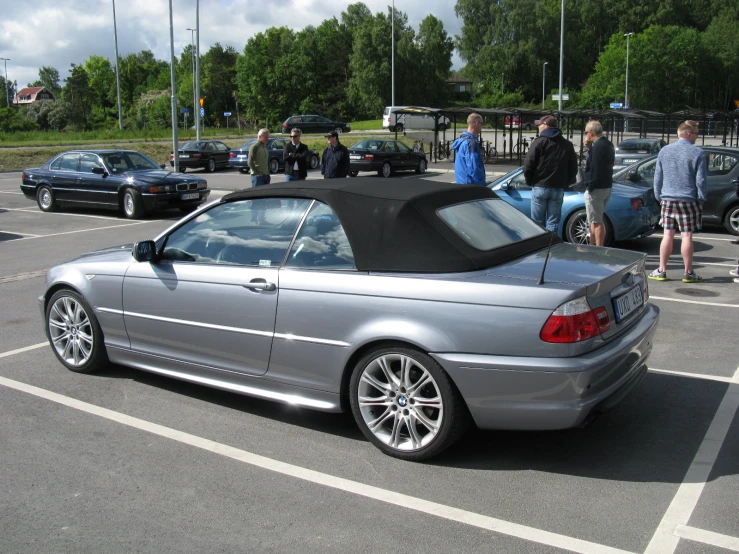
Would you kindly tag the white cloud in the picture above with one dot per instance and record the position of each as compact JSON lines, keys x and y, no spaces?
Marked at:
{"x":58,"y":33}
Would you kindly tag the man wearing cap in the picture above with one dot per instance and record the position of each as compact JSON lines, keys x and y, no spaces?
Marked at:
{"x":335,"y":159}
{"x":549,"y":168}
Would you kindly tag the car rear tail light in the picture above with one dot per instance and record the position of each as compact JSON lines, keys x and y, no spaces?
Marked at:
{"x":369,"y":157}
{"x":284,"y":125}
{"x":637,"y":203}
{"x":171,"y":156}
{"x":197,"y":156}
{"x":575,"y":321}
{"x":231,"y":155}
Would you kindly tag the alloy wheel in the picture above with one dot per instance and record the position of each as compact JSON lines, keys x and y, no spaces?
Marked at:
{"x":128,"y":204}
{"x":45,"y":198}
{"x":70,"y":331}
{"x":400,"y":402}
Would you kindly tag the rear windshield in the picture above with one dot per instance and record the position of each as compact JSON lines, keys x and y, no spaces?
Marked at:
{"x":643,"y":147}
{"x":247,"y":144}
{"x":489,"y":224}
{"x":193,"y":145}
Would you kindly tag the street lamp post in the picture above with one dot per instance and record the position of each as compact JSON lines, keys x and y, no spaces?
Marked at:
{"x":543,"y":84}
{"x":195,"y":104}
{"x":626,"y":94}
{"x":561,"y":53}
{"x":175,"y":146}
{"x":197,"y":68}
{"x":392,"y":56}
{"x":117,"y":71}
{"x":7,"y":100}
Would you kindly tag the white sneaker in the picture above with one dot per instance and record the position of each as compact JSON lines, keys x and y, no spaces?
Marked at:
{"x":734,"y":272}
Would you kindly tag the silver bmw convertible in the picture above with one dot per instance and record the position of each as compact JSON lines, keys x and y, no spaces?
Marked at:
{"x":418,"y":306}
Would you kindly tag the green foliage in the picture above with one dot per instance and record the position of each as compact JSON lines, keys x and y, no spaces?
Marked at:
{"x":11,"y":121}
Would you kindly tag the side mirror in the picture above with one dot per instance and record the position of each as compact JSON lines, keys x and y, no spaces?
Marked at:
{"x":144,"y":251}
{"x":162,"y":166}
{"x":632,"y":176}
{"x":99,"y":171}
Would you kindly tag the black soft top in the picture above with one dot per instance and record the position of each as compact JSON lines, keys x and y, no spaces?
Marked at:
{"x":392,"y":225}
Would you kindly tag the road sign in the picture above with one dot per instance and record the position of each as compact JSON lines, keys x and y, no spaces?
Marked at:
{"x":616,"y":105}
{"x":226,"y":114}
{"x":185,"y":110}
{"x":202,"y":112}
{"x":564,"y":97}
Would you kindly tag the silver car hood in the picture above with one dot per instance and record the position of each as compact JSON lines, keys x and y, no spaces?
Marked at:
{"x":106,"y":255}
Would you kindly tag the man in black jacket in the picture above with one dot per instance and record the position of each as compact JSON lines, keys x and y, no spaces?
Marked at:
{"x":294,"y":156}
{"x":335,"y":159}
{"x":549,"y":168}
{"x":598,"y":180}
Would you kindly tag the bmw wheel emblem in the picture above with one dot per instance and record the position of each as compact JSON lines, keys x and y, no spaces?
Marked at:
{"x":402,"y":401}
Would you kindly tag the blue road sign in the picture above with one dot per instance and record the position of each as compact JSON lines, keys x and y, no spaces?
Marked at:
{"x":616,"y":105}
{"x":202,"y":112}
{"x":226,"y":114}
{"x":185,"y":110}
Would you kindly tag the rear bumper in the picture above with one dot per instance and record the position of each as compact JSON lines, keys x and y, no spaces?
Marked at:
{"x":520,"y":393}
{"x":238,"y":163}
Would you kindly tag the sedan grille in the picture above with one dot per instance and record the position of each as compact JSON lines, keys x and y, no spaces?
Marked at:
{"x":187,"y":186}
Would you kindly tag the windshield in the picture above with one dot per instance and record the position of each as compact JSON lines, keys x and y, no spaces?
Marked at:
{"x":193,"y":145}
{"x":489,"y":224}
{"x":120,"y":162}
{"x":635,"y":146}
{"x":247,"y":144}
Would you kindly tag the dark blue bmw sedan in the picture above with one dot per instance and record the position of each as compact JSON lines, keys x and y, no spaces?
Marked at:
{"x":113,"y":179}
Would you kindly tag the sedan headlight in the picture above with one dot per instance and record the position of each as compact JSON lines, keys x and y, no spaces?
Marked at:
{"x":202,"y":185}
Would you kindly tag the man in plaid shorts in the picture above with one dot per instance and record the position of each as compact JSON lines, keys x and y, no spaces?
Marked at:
{"x":680,"y":187}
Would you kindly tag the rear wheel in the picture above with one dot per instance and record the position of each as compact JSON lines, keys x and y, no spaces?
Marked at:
{"x":74,"y":333}
{"x":211,"y":165}
{"x":353,"y":173}
{"x":313,"y":162}
{"x":339,"y":130}
{"x":244,"y":169}
{"x":731,"y":220}
{"x":399,"y":128}
{"x":405,"y":404}
{"x":421,"y":166}
{"x":182,"y":169}
{"x":133,"y":206}
{"x":274,"y":165}
{"x":386,"y":170}
{"x":46,"y":199}
{"x":577,"y":229}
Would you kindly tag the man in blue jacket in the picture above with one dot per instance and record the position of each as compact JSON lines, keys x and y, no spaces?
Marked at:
{"x":468,"y":166}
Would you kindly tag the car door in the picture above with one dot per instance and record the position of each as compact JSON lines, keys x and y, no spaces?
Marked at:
{"x":721,"y":169}
{"x":222,"y":152}
{"x":277,"y":151}
{"x":95,"y":188}
{"x":323,"y":125}
{"x":64,"y":177}
{"x":406,"y":156}
{"x":212,"y":297}
{"x":517,"y":193}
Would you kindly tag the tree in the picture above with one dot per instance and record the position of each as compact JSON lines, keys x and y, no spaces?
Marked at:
{"x":77,"y":94}
{"x":48,"y":77}
{"x":219,"y":80}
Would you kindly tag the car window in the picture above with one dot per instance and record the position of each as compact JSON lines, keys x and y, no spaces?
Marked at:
{"x":361,"y":145}
{"x":389,"y":147}
{"x":210,"y":147}
{"x":645,"y":172}
{"x":278,"y":145}
{"x":56,"y":164}
{"x":248,"y":232}
{"x":403,"y":147}
{"x":69,"y":162}
{"x":640,"y":147}
{"x":88,"y":162}
{"x":321,"y":242}
{"x":720,"y":164}
{"x":489,"y":224}
{"x":192,"y":145}
{"x":221,"y":147}
{"x":119,"y":162}
{"x":320,"y":119}
{"x":247,"y":144}
{"x":519,"y":183}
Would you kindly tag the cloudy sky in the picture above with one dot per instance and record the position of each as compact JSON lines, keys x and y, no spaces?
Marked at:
{"x":57,"y":33}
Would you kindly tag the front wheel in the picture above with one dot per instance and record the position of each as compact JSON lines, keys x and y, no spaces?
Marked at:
{"x":405,"y":404}
{"x":339,"y":130}
{"x":731,"y":221}
{"x":133,"y":206}
{"x":353,"y":173}
{"x":421,"y":166}
{"x":386,"y":170}
{"x":313,"y":162}
{"x":46,"y":199}
{"x":244,"y":170}
{"x":74,"y":333}
{"x":274,"y":165}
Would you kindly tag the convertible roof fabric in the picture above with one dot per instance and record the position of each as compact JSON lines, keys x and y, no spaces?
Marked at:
{"x":392,"y":225}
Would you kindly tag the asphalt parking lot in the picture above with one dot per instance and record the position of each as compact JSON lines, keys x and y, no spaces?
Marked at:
{"x":125,"y":461}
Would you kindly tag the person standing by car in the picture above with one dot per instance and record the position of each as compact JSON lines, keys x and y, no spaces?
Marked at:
{"x":598,"y":180}
{"x":680,"y":188}
{"x":468,"y":166}
{"x":549,"y":168}
{"x":335,"y":159}
{"x":294,"y":156}
{"x":259,"y":160}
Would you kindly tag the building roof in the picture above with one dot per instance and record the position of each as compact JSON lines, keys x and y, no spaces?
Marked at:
{"x":457,"y":77}
{"x":33,"y":92}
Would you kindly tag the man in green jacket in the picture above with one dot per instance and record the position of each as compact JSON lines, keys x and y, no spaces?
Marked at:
{"x":259,"y":160}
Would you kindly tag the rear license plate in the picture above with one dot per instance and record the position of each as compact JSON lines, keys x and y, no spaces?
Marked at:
{"x":241,"y":156}
{"x":190,"y":196}
{"x":355,"y":157}
{"x":630,"y":161}
{"x":631,"y":300}
{"x":184,"y":155}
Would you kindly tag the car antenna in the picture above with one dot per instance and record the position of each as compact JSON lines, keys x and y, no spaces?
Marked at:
{"x":543,"y":269}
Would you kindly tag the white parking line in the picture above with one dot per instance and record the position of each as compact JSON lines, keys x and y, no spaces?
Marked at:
{"x":353,"y":487}
{"x":24,"y":349}
{"x":707,"y":377}
{"x":83,"y":231}
{"x":665,"y":539}
{"x":38,"y":211}
{"x":707,"y":537}
{"x":651,"y":297}
{"x":9,"y":192}
{"x":696,"y":238}
{"x":696,"y":261}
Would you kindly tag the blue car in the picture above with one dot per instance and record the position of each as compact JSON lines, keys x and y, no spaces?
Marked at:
{"x":632,"y":211}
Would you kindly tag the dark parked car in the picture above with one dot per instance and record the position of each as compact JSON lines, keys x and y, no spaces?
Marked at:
{"x":722,"y":184}
{"x":458,"y":309}
{"x":239,"y":158}
{"x":114,"y":179}
{"x":633,"y":150}
{"x":210,"y":154}
{"x":385,"y":157}
{"x":314,"y":124}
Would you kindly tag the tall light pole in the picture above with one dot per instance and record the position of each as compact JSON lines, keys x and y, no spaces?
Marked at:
{"x":561,"y":53}
{"x":7,"y":100}
{"x":626,"y":94}
{"x":197,"y":69}
{"x":117,"y":71}
{"x":392,"y":55}
{"x":195,"y":105}
{"x":175,"y":153}
{"x":543,"y":84}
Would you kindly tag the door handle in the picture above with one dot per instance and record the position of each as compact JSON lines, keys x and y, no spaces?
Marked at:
{"x":260,"y":284}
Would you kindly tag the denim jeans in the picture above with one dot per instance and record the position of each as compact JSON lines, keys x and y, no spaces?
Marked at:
{"x":293,"y":177}
{"x":257,"y":181}
{"x":546,"y":206}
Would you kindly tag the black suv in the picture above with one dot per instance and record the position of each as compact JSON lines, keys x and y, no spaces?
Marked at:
{"x":314,"y":124}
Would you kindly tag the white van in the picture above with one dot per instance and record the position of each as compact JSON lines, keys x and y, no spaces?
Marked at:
{"x":400,"y":122}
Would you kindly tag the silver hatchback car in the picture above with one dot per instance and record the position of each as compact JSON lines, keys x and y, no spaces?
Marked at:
{"x":418,"y":306}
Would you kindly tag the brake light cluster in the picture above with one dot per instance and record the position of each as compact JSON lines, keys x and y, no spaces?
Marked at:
{"x":575,"y":321}
{"x":637,"y":203}
{"x":231,"y":155}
